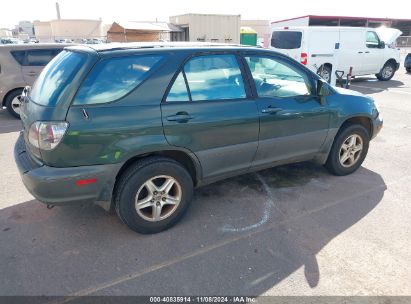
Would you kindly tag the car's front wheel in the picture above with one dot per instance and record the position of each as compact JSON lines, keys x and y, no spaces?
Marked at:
{"x":408,"y":70}
{"x":13,"y":103}
{"x":387,"y":72}
{"x":325,"y":73}
{"x":153,"y":194}
{"x":349,"y":150}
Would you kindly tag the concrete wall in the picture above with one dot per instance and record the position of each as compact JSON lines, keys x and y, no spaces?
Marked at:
{"x":210,"y":28}
{"x":68,"y":29}
{"x":262,"y":27}
{"x":6,"y":33}
{"x":42,"y":31}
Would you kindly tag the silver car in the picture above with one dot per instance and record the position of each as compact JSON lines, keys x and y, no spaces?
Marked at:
{"x":20,"y":64}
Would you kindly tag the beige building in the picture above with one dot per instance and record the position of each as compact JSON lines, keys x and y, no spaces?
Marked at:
{"x":210,"y":28}
{"x":262,"y":27}
{"x":75,"y":29}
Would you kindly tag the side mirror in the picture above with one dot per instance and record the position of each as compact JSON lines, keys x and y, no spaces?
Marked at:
{"x":381,"y":45}
{"x":322,"y":90}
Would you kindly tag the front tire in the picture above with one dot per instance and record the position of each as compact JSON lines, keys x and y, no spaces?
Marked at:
{"x":325,"y":73}
{"x":13,"y":103}
{"x":408,"y":70}
{"x":387,"y":72}
{"x":153,"y":194}
{"x":349,"y":150}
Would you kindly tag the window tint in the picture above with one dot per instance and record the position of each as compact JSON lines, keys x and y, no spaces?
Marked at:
{"x":39,"y":57}
{"x":286,"y":40}
{"x":19,"y":56}
{"x":114,"y":78}
{"x":55,"y":77}
{"x":214,"y":77}
{"x":273,"y":78}
{"x":372,"y":40}
{"x":178,"y":91}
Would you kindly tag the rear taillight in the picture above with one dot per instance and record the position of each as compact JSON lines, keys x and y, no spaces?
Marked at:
{"x":304,"y":58}
{"x":46,"y":135}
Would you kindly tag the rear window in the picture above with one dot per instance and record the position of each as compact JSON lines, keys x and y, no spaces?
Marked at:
{"x":112,"y":79}
{"x":286,"y":40}
{"x":55,"y":77}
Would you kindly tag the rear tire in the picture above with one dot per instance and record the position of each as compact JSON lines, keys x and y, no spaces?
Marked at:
{"x":387,"y":72}
{"x":13,"y":104}
{"x":346,"y":156}
{"x":142,"y":200}
{"x":408,"y":70}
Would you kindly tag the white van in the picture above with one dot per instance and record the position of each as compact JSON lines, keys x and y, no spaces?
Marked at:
{"x":327,"y":49}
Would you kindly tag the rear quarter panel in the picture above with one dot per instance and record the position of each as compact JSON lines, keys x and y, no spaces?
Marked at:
{"x":117,"y":131}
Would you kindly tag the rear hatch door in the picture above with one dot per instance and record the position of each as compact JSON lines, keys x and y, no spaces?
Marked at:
{"x":50,"y":97}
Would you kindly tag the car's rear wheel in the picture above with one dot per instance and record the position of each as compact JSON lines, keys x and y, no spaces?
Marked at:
{"x":13,"y":103}
{"x":408,"y":70}
{"x":153,"y":194}
{"x":349,"y":150}
{"x":387,"y":72}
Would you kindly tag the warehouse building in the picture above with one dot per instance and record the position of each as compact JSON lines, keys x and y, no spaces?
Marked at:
{"x":74,"y":29}
{"x":209,"y":28}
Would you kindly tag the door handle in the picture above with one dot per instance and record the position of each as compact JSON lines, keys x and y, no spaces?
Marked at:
{"x":367,"y":52}
{"x":271,"y":110}
{"x":180,"y":117}
{"x":359,"y":52}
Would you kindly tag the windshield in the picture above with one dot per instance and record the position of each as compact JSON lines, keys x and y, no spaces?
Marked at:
{"x":55,"y":77}
{"x":286,"y":40}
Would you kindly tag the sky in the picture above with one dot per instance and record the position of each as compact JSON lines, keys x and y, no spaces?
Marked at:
{"x":13,"y":11}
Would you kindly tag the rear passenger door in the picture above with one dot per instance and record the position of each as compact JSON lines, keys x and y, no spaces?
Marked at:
{"x":35,"y":61}
{"x":208,"y":110}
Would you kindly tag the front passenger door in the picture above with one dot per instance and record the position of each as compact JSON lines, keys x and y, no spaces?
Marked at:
{"x":293,"y":123}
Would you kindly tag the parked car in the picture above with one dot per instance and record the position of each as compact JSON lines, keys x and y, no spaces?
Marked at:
{"x":407,"y":63}
{"x":135,"y":127}
{"x":19,"y":66}
{"x":326,"y":49}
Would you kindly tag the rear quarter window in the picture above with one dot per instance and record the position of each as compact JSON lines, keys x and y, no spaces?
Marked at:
{"x":56,"y":77}
{"x":113,"y":78}
{"x":39,"y":57}
{"x":286,"y":40}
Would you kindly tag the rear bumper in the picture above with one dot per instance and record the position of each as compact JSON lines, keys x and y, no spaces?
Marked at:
{"x":59,"y":186}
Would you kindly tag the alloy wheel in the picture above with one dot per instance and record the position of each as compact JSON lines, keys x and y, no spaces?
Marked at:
{"x":350,"y":150}
{"x":158,"y":198}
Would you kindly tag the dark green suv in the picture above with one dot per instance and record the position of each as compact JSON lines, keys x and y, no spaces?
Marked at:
{"x":135,"y":127}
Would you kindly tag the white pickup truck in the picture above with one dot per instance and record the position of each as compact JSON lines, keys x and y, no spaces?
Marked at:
{"x":327,"y":49}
